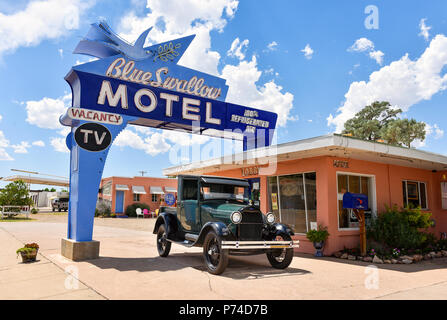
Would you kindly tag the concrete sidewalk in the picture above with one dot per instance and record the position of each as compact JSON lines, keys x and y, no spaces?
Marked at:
{"x":130,"y":268}
{"x":42,"y":279}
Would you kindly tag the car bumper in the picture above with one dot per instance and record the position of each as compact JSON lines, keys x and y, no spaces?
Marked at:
{"x":244,"y":245}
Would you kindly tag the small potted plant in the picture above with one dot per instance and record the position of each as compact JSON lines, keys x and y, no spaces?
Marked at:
{"x":318,"y":237}
{"x":28,"y":252}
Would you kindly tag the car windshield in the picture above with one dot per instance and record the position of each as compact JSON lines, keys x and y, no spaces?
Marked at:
{"x":224,"y":191}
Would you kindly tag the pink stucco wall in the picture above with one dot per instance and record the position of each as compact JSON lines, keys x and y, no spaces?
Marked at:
{"x":388,"y":181}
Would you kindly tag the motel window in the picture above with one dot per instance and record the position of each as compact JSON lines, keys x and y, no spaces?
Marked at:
{"x":154,"y":198}
{"x":444,"y":194}
{"x":107,"y":189}
{"x":294,"y":202}
{"x":414,"y":194}
{"x":136,"y":197}
{"x":353,"y":184}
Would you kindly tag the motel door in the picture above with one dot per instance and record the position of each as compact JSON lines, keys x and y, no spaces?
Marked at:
{"x":119,"y":202}
{"x":255,"y":190}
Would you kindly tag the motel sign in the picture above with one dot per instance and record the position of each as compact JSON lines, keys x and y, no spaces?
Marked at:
{"x":133,"y":84}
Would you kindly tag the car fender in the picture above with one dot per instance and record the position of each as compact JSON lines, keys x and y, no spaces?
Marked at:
{"x":169,"y":220}
{"x":220,"y":228}
{"x":282,"y":228}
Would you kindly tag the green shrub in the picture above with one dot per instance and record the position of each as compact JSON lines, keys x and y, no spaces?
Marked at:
{"x":131,"y":209}
{"x":318,"y":235}
{"x":401,"y":229}
{"x":103,"y":210}
{"x":34,"y":211}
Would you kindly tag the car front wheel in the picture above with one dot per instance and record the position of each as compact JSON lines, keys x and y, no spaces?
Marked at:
{"x":281,"y":258}
{"x":216,"y":258}
{"x":163,"y":245}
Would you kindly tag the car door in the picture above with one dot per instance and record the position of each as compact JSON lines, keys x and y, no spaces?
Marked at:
{"x":188,"y":206}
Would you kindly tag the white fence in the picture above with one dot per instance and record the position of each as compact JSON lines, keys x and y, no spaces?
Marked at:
{"x":5,"y":211}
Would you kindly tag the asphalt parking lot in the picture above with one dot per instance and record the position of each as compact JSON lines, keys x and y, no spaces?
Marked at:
{"x":130,"y":268}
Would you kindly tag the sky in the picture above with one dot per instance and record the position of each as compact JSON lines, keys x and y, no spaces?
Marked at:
{"x":315,"y":63}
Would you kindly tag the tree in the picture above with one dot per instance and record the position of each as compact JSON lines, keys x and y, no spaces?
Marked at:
{"x":15,"y":194}
{"x":379,"y":122}
{"x":370,"y":121}
{"x":404,"y":131}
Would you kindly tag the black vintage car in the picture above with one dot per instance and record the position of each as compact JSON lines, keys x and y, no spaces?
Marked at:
{"x":215,"y":213}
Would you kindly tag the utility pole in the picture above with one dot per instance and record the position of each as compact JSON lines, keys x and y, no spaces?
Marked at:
{"x":142,"y":173}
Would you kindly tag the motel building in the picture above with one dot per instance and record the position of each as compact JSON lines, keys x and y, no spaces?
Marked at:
{"x":123,"y":191}
{"x":303,"y":182}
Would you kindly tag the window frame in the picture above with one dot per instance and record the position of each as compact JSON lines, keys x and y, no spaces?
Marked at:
{"x":152,"y":197}
{"x":137,"y":196}
{"x":427,"y":206}
{"x":304,"y":195}
{"x":372,"y":202}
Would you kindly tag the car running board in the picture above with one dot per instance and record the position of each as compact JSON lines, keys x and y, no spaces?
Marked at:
{"x":185,"y":243}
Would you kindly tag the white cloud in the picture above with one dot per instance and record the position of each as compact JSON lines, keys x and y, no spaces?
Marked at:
{"x":377,"y":55}
{"x":40,"y":20}
{"x":272,"y":46}
{"x":59,"y":145}
{"x":22,"y":147}
{"x":61,"y":52}
{"x":38,"y":143}
{"x":308,"y":52}
{"x":153,"y":145}
{"x":4,"y":156}
{"x":403,"y":83}
{"x":364,"y":44}
{"x":236,"y":49}
{"x":1,"y":117}
{"x":189,"y":17}
{"x":200,"y":18}
{"x":424,"y":29}
{"x":242,"y":81}
{"x":45,"y":113}
{"x":434,"y":131}
{"x":4,"y":143}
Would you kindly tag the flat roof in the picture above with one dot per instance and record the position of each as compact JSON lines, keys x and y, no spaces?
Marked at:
{"x":38,"y":180}
{"x":334,"y":145}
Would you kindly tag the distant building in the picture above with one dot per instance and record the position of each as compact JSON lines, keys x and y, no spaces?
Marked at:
{"x":41,"y":198}
{"x":119,"y":192}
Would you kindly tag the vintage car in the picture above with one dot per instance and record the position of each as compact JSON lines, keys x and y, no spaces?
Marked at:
{"x":215,"y":213}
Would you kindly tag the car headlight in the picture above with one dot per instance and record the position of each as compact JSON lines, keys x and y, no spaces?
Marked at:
{"x":270,"y":218}
{"x":236,"y":217}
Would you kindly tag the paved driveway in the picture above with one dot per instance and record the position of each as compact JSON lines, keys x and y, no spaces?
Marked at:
{"x":130,"y":268}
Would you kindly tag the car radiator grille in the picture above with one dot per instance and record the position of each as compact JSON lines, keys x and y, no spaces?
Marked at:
{"x":250,"y":227}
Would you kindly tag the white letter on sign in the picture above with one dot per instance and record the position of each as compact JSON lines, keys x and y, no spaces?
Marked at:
{"x":187,"y":108}
{"x":99,"y":141}
{"x":145,"y":92}
{"x":113,"y":99}
{"x":209,"y":116}
{"x":169,"y":98}
{"x":86,"y":133}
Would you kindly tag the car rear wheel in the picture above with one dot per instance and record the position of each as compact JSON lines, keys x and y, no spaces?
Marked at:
{"x":281,"y":258}
{"x":216,"y":258}
{"x":163,"y":245}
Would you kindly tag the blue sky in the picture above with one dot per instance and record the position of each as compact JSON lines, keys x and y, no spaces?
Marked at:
{"x":313,"y":62}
